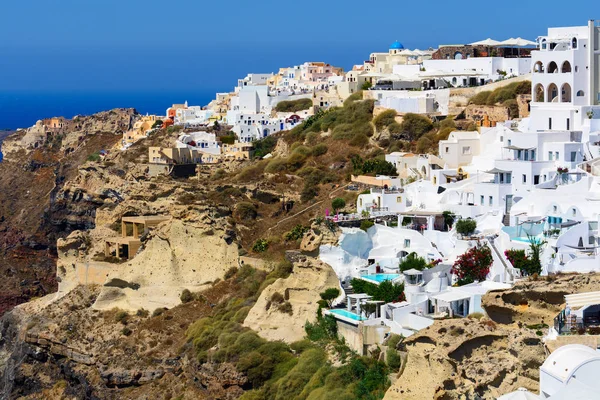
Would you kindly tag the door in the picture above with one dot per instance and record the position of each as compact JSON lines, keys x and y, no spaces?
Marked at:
{"x":509,"y":203}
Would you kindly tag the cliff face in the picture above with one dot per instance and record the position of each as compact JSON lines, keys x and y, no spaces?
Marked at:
{"x":34,"y":209}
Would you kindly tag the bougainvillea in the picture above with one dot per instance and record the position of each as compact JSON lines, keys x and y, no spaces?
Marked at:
{"x":474,"y":265}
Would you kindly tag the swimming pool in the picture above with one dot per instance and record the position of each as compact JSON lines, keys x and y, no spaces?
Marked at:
{"x":347,"y":314}
{"x":378,"y":278}
{"x":525,"y":239}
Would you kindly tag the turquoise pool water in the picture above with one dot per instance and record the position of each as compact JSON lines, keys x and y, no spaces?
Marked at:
{"x":380,"y":277}
{"x":526,"y":239}
{"x":347,"y":314}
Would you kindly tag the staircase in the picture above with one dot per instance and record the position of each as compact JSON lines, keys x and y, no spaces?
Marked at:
{"x":508,"y":268}
{"x":347,"y":291}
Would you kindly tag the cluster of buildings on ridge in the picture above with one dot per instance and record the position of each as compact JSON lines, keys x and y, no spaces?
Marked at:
{"x":534,"y":179}
{"x":404,"y":80}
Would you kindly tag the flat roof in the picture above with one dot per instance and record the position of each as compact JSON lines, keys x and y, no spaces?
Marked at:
{"x":451,"y":295}
{"x":123,"y":240}
{"x":582,"y":299}
{"x":146,"y":219}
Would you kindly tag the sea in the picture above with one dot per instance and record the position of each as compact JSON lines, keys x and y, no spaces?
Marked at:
{"x":23,"y":108}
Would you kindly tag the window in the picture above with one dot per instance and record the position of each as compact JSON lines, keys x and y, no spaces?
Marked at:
{"x":491,"y":200}
{"x":549,"y":123}
{"x":568,"y":123}
{"x":360,"y":202}
{"x":399,"y":199}
{"x":466,"y":150}
{"x":573,"y":156}
{"x":482,"y":200}
{"x":509,"y":142}
{"x":508,"y":178}
{"x":549,"y":156}
{"x":447,"y":149}
{"x":574,"y":211}
{"x":536,"y":179}
{"x":524,"y":178}
{"x":580,"y":93}
{"x":555,"y":209}
{"x":406,"y":243}
{"x":574,"y":43}
{"x":556,"y":155}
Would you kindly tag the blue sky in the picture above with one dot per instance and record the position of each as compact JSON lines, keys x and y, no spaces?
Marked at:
{"x":112,"y":45}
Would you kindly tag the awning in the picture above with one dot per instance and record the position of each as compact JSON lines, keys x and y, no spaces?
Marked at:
{"x":519,"y":148}
{"x":582,"y":299}
{"x":486,"y":42}
{"x":569,"y":223}
{"x":451,"y":296}
{"x":412,"y":272}
{"x":518,"y":42}
{"x":497,"y":171}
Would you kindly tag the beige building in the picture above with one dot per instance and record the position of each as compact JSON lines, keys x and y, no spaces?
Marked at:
{"x":460,"y":147}
{"x":132,"y":228}
{"x":180,"y":155}
{"x":237,"y":151}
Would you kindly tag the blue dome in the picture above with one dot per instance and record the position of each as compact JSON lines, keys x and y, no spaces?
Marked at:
{"x":396,"y":46}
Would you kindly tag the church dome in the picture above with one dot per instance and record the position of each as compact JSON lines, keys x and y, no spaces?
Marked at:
{"x":396,"y":46}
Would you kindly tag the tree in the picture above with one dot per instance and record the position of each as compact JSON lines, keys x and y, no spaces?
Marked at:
{"x":466,"y":226}
{"x":157,"y":124}
{"x":366,"y":224}
{"x":535,"y":251}
{"x":474,"y":265}
{"x":413,"y":261}
{"x":329,"y":295}
{"x":338,"y":203}
{"x":449,"y":218}
{"x":369,"y":309}
{"x":414,"y":126}
{"x":366,"y":85}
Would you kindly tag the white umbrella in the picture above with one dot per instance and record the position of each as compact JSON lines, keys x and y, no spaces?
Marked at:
{"x":486,"y":42}
{"x":518,"y":42}
{"x":407,"y":53}
{"x":521,"y":394}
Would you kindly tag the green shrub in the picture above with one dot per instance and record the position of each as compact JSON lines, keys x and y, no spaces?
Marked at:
{"x":325,"y":328}
{"x":329,"y":295}
{"x":186,"y":296}
{"x":246,"y":211}
{"x":294,"y":105}
{"x":366,"y":85}
{"x":260,"y":246}
{"x":264,"y":146}
{"x":338,"y":203}
{"x":414,"y":125}
{"x":158,"y":312}
{"x":366,"y":224}
{"x":466,"y":226}
{"x":413,"y":261}
{"x":230,"y":273}
{"x":513,"y":108}
{"x":286,"y":308}
{"x":121,"y":316}
{"x":393,"y":360}
{"x":296,"y":233}
{"x":126,"y":331}
{"x":95,"y":157}
{"x":480,"y":98}
{"x":319,"y":150}
{"x":142,"y":313}
{"x":228,"y":139}
{"x":276,"y":165}
{"x":359,"y":140}
{"x":385,"y":119}
{"x":386,"y":291}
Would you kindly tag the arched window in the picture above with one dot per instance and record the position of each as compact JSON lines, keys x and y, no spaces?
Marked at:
{"x":458,"y":55}
{"x":454,"y":81}
{"x":565,"y":93}
{"x":580,"y":93}
{"x":566,"y":67}
{"x":576,"y":68}
{"x":574,"y":43}
{"x":538,"y":67}
{"x":435,"y":180}
{"x":552,"y":94}
{"x":543,"y":44}
{"x":552,"y":68}
{"x":538,"y":93}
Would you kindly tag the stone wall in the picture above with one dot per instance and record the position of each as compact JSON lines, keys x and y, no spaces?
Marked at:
{"x":523,"y":101}
{"x":487,"y":116}
{"x":449,"y":52}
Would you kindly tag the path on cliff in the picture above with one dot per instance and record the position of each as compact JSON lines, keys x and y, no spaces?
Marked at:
{"x":330,"y":196}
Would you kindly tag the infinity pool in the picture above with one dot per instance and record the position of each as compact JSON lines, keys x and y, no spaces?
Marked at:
{"x":347,"y":314}
{"x":380,"y":277}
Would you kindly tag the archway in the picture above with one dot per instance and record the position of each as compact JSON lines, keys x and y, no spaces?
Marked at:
{"x":565,"y":93}
{"x":538,"y":67}
{"x":566,"y":67}
{"x":552,"y":68}
{"x":458,"y":55}
{"x":538,"y":93}
{"x":552,"y":96}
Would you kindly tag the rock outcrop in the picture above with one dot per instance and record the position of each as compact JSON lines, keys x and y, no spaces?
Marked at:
{"x":301,"y":290}
{"x":468,"y":358}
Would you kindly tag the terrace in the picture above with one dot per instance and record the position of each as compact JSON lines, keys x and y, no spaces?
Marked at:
{"x":581,"y":315}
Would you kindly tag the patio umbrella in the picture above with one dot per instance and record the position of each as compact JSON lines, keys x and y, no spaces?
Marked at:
{"x":518,"y":42}
{"x":486,"y":42}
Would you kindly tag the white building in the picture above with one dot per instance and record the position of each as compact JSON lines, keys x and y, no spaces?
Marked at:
{"x":476,"y":71}
{"x":202,"y":141}
{"x":459,"y":149}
